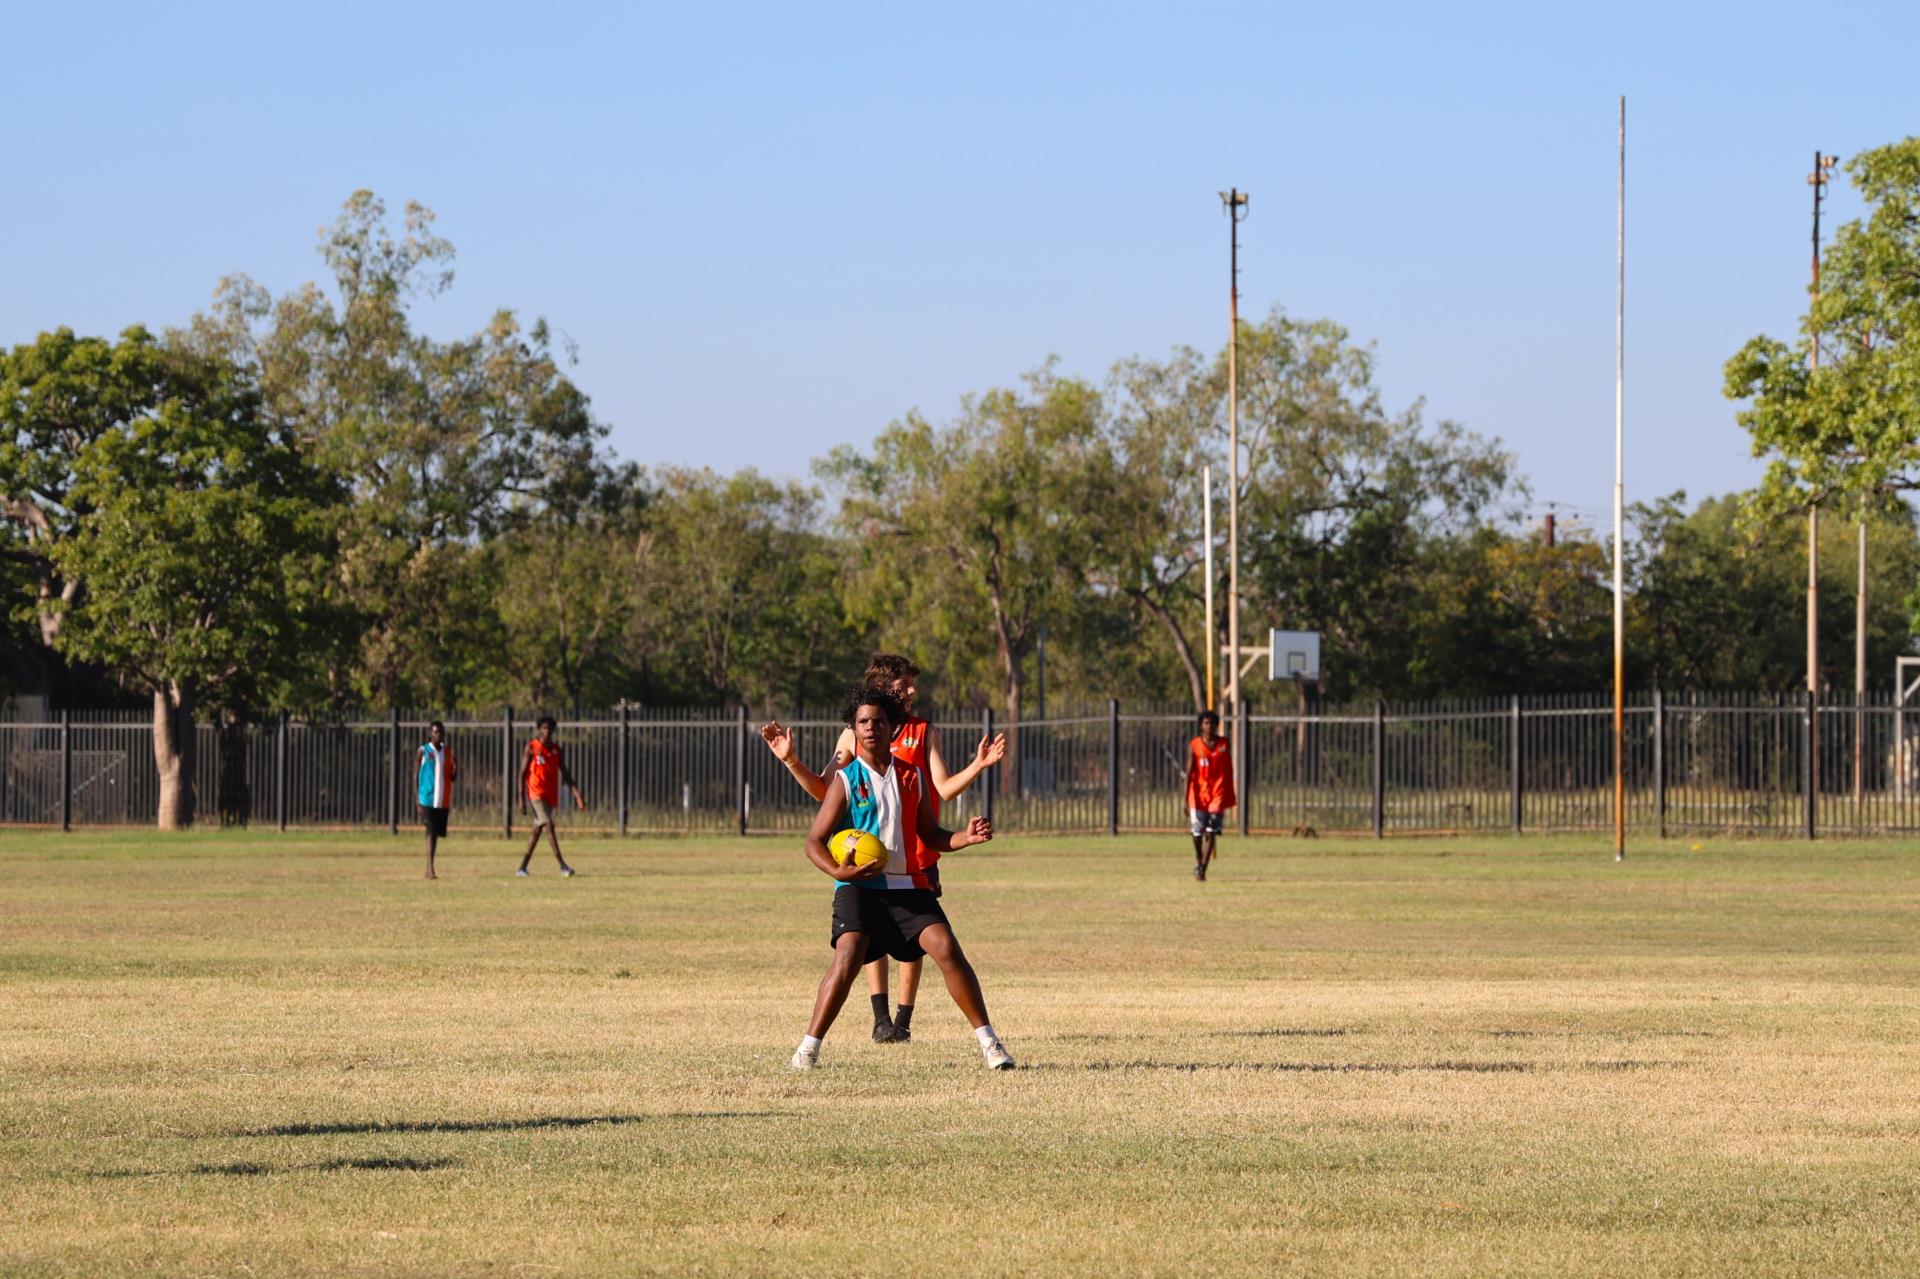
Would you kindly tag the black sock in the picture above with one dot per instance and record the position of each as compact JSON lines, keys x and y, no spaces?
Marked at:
{"x":903,"y":1015}
{"x":879,"y":1003}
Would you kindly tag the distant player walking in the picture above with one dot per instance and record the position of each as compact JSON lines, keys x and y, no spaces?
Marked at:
{"x":438,"y":768}
{"x":1209,"y":789}
{"x":542,"y":768}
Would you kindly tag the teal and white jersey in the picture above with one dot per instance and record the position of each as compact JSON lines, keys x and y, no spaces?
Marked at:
{"x":433,"y":776}
{"x":880,"y":805}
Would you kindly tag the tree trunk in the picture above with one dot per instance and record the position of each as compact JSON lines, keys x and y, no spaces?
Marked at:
{"x":173,"y":755}
{"x":51,"y":619}
{"x":1010,"y":667}
{"x":1012,"y":730}
{"x":1180,"y":647}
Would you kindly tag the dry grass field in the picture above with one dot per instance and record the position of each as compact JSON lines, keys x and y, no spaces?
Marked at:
{"x":256,"y":1055}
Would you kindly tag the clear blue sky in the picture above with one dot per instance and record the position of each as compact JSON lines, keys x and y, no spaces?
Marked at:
{"x":775,"y":228}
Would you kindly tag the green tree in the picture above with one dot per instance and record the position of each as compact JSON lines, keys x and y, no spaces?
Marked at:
{"x":443,"y":444}
{"x":1340,"y":499}
{"x":205,"y":544}
{"x":1717,"y":594}
{"x":1853,"y":423}
{"x":746,"y":603}
{"x":973,"y":533}
{"x":59,"y":396}
{"x":1165,"y":422}
{"x":572,"y":586}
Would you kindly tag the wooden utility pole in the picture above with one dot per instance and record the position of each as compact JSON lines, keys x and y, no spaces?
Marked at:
{"x":1822,"y":167}
{"x":1234,"y":201}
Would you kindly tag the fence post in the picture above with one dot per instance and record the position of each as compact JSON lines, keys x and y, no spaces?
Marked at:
{"x":506,"y":771}
{"x":1243,"y":756}
{"x":1513,"y":763}
{"x":621,"y":755}
{"x":393,"y":776}
{"x":740,"y":770}
{"x":1809,"y":771}
{"x":1113,"y":766}
{"x":1660,"y":763}
{"x":281,"y":772}
{"x":66,"y":770}
{"x":1379,"y":770}
{"x":989,"y":782}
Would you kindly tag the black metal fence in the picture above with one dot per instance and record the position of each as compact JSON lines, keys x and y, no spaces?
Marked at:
{"x":1759,"y":764}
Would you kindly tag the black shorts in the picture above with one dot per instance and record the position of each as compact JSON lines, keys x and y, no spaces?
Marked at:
{"x":933,"y":879}
{"x":436,"y":820}
{"x":891,"y":918}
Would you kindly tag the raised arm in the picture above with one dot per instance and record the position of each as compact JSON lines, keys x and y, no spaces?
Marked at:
{"x":779,"y":740}
{"x":989,"y":752}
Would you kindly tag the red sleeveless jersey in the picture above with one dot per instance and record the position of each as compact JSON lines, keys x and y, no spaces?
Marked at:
{"x":543,"y":773}
{"x":1209,"y":776}
{"x":910,"y":747}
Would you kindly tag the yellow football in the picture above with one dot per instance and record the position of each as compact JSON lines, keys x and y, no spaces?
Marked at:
{"x":856,"y":846}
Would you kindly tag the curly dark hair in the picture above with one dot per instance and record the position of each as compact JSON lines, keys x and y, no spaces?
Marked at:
{"x":859,"y":695}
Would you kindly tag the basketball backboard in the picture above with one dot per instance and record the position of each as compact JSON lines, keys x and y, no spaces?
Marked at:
{"x":1294,"y":655}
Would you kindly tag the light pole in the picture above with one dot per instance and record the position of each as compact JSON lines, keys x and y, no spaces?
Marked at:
{"x":1619,"y":507}
{"x":1822,"y":168}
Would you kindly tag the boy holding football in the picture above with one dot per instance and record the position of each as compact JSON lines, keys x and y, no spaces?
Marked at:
{"x":887,"y":907}
{"x":914,"y":743}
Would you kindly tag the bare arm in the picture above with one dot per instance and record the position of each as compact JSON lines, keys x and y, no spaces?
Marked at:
{"x":453,"y":765}
{"x":779,"y":740}
{"x":566,"y":776}
{"x":978,"y":831}
{"x":526,"y":766}
{"x":989,"y":752}
{"x":833,"y":811}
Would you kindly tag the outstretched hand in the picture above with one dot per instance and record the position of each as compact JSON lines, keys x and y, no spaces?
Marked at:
{"x":779,"y":740}
{"x":990,"y":751}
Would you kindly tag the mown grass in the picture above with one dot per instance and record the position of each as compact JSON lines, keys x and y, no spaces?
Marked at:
{"x":262,"y":1054}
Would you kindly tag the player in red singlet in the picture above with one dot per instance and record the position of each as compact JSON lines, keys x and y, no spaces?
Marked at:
{"x":1209,"y":789}
{"x":914,"y":744}
{"x":542,"y":768}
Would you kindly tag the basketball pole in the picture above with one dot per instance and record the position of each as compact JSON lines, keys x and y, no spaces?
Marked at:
{"x":1619,"y":506}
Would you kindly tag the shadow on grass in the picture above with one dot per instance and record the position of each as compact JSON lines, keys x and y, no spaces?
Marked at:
{"x":1306,"y":1067}
{"x":1290,"y":1032}
{"x":1602,"y":1034}
{"x":495,"y":1125}
{"x":267,"y":1170}
{"x":1359,"y":1067}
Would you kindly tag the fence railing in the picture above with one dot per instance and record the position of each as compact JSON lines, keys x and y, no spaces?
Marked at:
{"x":1761,"y":764}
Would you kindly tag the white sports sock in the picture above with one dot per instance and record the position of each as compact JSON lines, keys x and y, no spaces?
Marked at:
{"x":985,"y":1034}
{"x":809,"y":1044}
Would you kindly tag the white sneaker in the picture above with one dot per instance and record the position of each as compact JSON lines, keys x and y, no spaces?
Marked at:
{"x":804,"y":1059}
{"x":519,"y":874}
{"x":998,"y":1058}
{"x":566,"y":872}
